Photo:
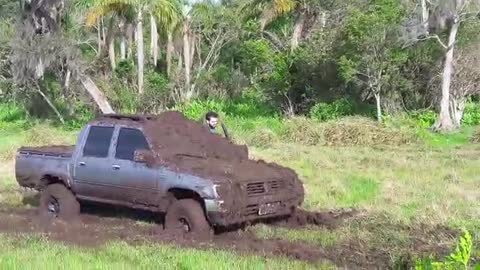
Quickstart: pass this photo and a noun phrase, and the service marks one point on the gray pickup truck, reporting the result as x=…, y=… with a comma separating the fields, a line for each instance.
x=105, y=166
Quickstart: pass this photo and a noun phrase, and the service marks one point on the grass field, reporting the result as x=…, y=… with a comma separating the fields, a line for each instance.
x=407, y=197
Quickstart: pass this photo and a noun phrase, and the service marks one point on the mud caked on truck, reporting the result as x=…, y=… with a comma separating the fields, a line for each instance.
x=162, y=163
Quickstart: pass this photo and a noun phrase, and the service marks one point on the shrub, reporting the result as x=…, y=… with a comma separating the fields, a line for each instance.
x=471, y=115
x=330, y=111
x=11, y=112
x=458, y=260
x=423, y=119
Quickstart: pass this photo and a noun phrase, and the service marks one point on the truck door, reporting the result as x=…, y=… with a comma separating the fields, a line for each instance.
x=137, y=181
x=93, y=165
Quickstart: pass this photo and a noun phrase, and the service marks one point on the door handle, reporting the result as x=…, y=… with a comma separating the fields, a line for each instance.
x=116, y=167
x=81, y=163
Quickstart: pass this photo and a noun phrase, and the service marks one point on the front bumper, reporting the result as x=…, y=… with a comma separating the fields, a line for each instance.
x=219, y=215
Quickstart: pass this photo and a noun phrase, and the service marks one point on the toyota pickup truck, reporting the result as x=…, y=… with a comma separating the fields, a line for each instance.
x=108, y=165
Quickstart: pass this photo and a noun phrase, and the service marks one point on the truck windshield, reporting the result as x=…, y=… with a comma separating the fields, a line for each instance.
x=130, y=140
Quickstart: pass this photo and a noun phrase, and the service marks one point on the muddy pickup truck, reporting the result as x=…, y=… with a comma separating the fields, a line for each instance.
x=108, y=165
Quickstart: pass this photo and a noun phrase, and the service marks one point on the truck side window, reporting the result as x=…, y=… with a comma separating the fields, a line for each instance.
x=98, y=142
x=129, y=140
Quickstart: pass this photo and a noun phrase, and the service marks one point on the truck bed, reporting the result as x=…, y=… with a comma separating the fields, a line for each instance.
x=52, y=150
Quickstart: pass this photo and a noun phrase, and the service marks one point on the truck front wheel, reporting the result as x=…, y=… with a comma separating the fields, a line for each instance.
x=57, y=201
x=187, y=215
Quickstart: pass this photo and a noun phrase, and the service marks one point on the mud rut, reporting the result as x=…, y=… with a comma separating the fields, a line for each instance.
x=97, y=226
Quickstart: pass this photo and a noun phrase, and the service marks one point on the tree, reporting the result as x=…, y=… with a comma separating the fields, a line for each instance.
x=371, y=53
x=41, y=47
x=465, y=80
x=167, y=13
x=216, y=26
x=446, y=15
x=166, y=10
x=119, y=14
x=268, y=10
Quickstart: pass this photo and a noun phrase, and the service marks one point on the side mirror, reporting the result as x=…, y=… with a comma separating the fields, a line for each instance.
x=143, y=156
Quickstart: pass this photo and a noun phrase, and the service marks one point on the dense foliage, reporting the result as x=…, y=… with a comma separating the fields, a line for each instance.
x=321, y=58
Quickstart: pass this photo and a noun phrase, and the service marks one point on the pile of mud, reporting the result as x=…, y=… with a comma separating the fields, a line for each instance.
x=188, y=146
x=173, y=135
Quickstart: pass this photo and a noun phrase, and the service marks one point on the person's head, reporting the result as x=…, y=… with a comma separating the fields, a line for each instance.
x=212, y=119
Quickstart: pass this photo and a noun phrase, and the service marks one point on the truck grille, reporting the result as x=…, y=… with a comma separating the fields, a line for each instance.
x=251, y=209
x=261, y=188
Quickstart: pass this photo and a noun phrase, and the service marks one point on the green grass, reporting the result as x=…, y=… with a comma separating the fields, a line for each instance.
x=34, y=252
x=401, y=191
x=457, y=138
x=411, y=183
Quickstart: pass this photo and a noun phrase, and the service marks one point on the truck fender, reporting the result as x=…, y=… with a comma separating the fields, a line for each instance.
x=52, y=177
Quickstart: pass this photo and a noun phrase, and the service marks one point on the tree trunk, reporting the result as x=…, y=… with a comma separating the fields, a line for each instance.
x=444, y=121
x=456, y=109
x=40, y=69
x=186, y=54
x=297, y=30
x=140, y=53
x=180, y=62
x=323, y=19
x=104, y=36
x=66, y=84
x=123, y=40
x=153, y=40
x=111, y=47
x=99, y=38
x=123, y=47
x=192, y=50
x=379, y=106
x=169, y=52
x=425, y=16
x=129, y=41
x=51, y=105
x=97, y=95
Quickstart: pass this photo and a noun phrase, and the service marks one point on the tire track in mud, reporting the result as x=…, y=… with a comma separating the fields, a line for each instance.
x=98, y=226
x=97, y=229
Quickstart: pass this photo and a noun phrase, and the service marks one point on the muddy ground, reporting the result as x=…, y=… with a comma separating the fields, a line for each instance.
x=98, y=225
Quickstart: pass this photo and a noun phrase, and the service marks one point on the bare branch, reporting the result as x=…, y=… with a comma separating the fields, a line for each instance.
x=427, y=38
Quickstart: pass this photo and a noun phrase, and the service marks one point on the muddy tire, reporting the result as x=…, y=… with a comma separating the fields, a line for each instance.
x=58, y=202
x=187, y=216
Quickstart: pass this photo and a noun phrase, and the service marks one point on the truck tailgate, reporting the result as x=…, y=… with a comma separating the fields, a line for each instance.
x=32, y=164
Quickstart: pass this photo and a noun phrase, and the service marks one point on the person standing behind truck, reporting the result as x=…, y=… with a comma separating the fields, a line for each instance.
x=211, y=119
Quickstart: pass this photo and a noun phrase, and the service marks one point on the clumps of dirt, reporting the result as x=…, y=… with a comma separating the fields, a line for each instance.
x=52, y=149
x=348, y=131
x=360, y=131
x=94, y=229
x=173, y=135
x=331, y=219
x=187, y=146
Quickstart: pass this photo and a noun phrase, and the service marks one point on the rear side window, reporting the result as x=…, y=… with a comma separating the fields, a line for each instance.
x=129, y=140
x=98, y=142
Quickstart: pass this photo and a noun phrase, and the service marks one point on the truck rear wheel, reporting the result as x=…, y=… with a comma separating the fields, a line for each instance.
x=57, y=201
x=187, y=215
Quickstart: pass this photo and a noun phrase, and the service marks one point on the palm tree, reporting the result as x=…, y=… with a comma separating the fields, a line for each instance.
x=165, y=12
x=119, y=12
x=270, y=10
x=163, y=9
